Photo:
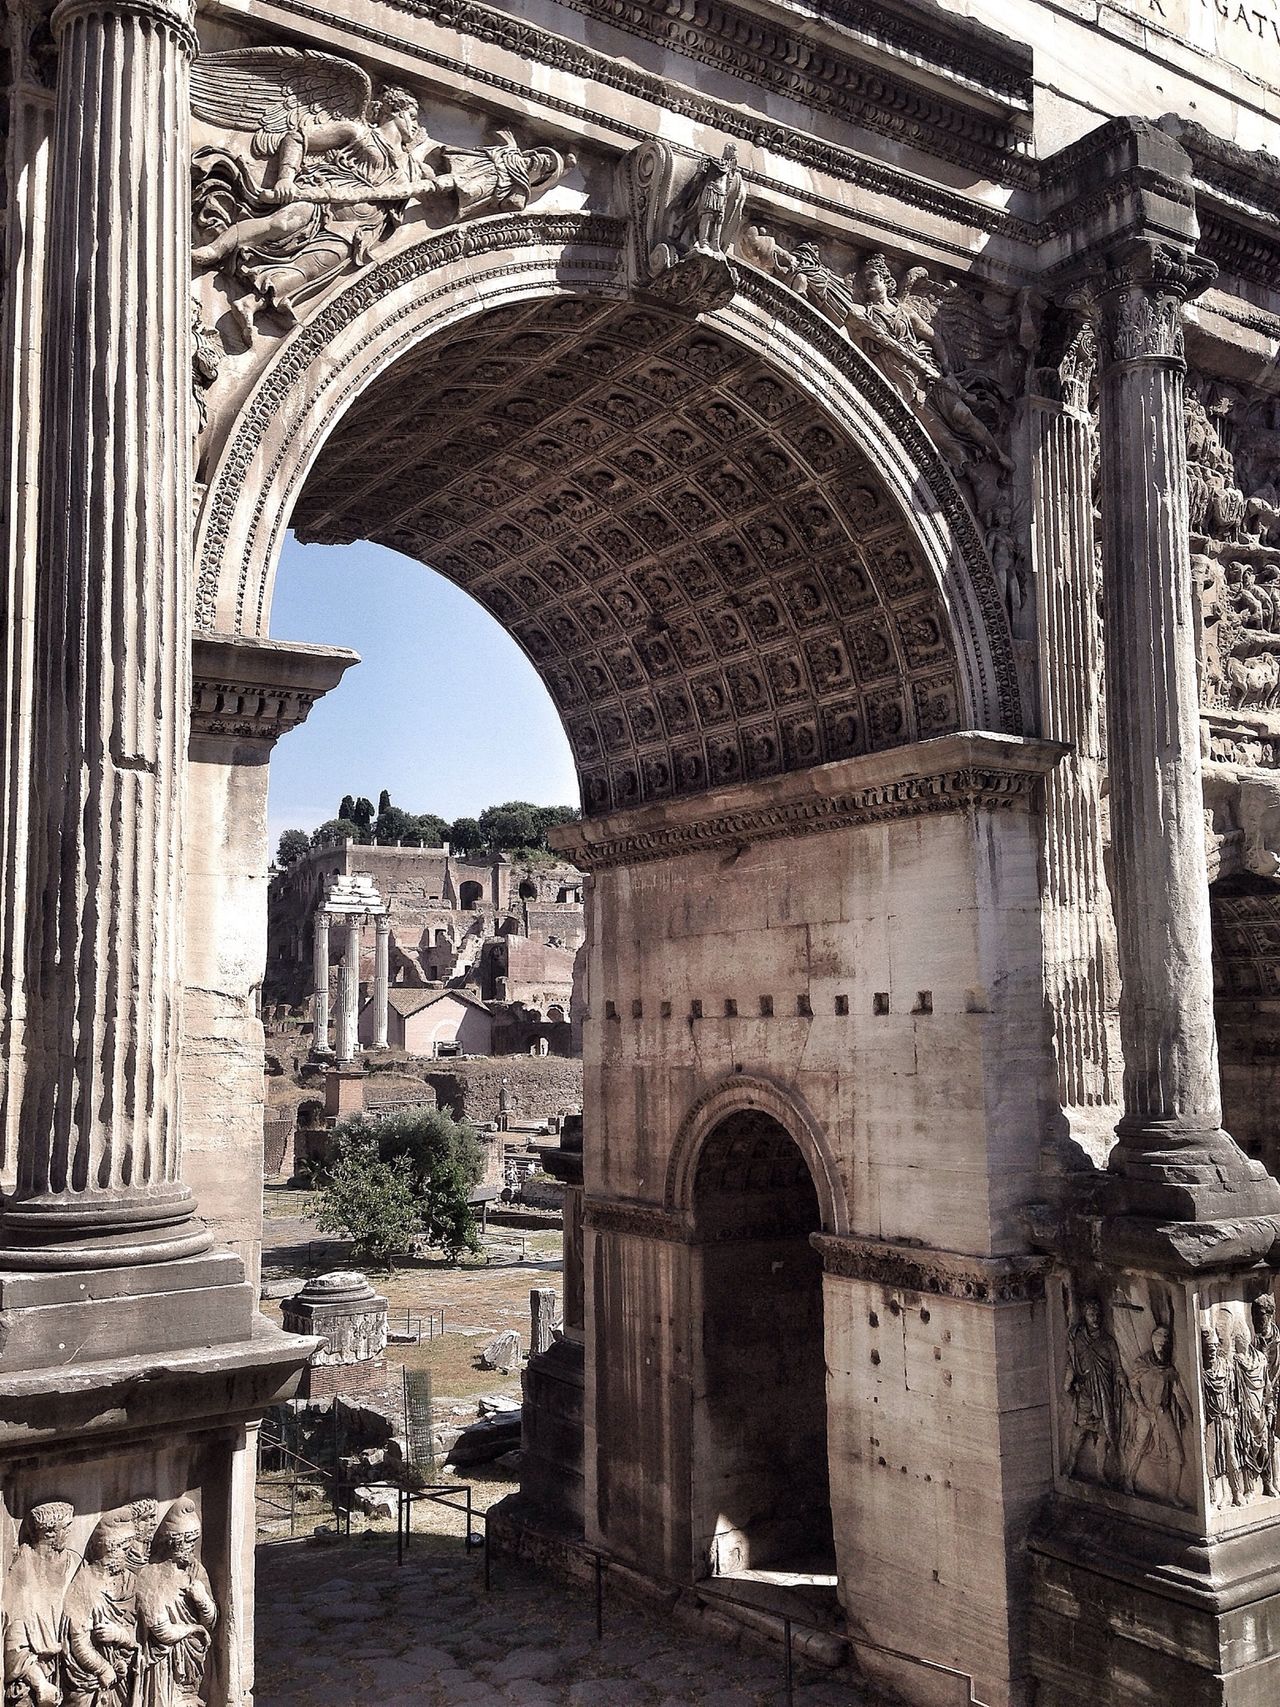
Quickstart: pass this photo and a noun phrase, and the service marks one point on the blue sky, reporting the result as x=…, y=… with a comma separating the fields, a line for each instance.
x=444, y=709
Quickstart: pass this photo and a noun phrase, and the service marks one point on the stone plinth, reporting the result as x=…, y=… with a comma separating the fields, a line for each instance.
x=343, y=1092
x=349, y=1319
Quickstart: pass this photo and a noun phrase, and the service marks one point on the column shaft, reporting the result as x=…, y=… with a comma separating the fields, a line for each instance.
x=349, y=993
x=381, y=981
x=99, y=1157
x=320, y=1004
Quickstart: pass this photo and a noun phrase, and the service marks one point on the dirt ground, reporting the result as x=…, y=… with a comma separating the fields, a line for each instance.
x=480, y=1296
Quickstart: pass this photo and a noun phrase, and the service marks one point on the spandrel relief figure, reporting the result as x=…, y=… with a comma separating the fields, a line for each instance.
x=341, y=165
x=1095, y=1382
x=34, y=1595
x=1160, y=1415
x=176, y=1614
x=1253, y=1434
x=1219, y=1388
x=705, y=213
x=101, y=1637
x=501, y=179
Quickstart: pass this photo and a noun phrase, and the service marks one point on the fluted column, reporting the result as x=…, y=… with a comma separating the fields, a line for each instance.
x=320, y=970
x=381, y=980
x=1175, y=1160
x=1078, y=971
x=349, y=992
x=98, y=1177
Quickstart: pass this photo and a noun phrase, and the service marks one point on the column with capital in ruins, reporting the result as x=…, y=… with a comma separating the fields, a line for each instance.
x=381, y=979
x=99, y=1167
x=349, y=992
x=1172, y=1161
x=320, y=1005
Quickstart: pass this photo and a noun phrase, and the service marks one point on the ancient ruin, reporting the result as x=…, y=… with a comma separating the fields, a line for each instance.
x=867, y=420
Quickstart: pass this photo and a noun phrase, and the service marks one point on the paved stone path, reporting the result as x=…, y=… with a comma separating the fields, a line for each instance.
x=342, y=1625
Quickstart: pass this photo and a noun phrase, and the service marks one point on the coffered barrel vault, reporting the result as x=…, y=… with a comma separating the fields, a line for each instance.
x=710, y=580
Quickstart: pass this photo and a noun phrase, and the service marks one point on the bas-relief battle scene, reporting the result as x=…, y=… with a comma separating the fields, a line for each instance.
x=801, y=1222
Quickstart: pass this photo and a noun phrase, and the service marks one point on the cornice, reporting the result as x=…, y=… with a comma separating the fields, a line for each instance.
x=730, y=119
x=943, y=1274
x=257, y=690
x=953, y=773
x=635, y=1220
x=790, y=62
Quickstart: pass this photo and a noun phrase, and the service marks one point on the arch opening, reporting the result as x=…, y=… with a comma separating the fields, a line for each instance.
x=762, y=1495
x=711, y=579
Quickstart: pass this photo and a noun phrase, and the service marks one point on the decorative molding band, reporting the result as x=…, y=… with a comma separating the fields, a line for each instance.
x=257, y=690
x=808, y=802
x=635, y=1220
x=497, y=29
x=792, y=64
x=944, y=1274
x=177, y=17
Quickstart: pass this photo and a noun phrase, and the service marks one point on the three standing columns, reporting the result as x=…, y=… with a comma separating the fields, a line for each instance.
x=1173, y=1159
x=98, y=1167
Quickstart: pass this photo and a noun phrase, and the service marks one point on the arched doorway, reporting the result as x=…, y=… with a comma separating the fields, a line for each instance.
x=762, y=1496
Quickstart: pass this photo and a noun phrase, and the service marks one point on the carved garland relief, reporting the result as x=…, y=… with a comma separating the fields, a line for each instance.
x=129, y=1624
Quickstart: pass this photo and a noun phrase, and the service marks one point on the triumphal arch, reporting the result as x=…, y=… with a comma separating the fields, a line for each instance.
x=866, y=417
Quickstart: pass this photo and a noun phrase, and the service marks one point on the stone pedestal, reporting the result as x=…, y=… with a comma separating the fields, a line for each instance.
x=343, y=1092
x=349, y=1319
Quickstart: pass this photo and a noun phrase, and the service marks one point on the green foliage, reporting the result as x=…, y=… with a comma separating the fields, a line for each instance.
x=464, y=835
x=362, y=814
x=292, y=845
x=444, y=1162
x=384, y=802
x=347, y=809
x=521, y=824
x=373, y=1202
x=333, y=832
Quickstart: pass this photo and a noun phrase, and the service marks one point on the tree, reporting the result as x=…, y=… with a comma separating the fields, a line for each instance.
x=362, y=814
x=291, y=846
x=374, y=1203
x=347, y=809
x=464, y=835
x=512, y=825
x=550, y=816
x=445, y=1163
x=393, y=825
x=384, y=802
x=333, y=832
x=428, y=830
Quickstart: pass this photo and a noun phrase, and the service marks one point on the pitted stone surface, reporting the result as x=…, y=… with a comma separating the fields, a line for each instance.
x=713, y=585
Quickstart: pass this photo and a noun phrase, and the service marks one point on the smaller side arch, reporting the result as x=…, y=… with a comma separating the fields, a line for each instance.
x=740, y=1093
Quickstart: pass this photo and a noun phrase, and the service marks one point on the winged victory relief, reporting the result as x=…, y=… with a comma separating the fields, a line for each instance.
x=332, y=167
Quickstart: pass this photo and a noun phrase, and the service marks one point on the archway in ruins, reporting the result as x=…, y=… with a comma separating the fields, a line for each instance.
x=761, y=1485
x=733, y=556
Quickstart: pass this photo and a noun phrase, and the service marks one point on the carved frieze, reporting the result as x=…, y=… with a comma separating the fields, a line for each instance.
x=1125, y=1420
x=129, y=1622
x=1240, y=1386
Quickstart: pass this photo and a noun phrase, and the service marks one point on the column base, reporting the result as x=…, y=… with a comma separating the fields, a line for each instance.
x=100, y=1229
x=49, y=1320
x=1128, y=1615
x=1166, y=1171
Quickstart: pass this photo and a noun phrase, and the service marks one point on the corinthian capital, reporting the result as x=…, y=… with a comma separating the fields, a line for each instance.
x=1141, y=296
x=178, y=17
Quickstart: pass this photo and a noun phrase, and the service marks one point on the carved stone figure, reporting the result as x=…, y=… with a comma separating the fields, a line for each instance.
x=681, y=233
x=1253, y=1432
x=1219, y=1421
x=1266, y=1339
x=706, y=209
x=176, y=1614
x=1215, y=502
x=501, y=179
x=1239, y=589
x=101, y=1638
x=34, y=1592
x=341, y=166
x=1095, y=1381
x=1161, y=1413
